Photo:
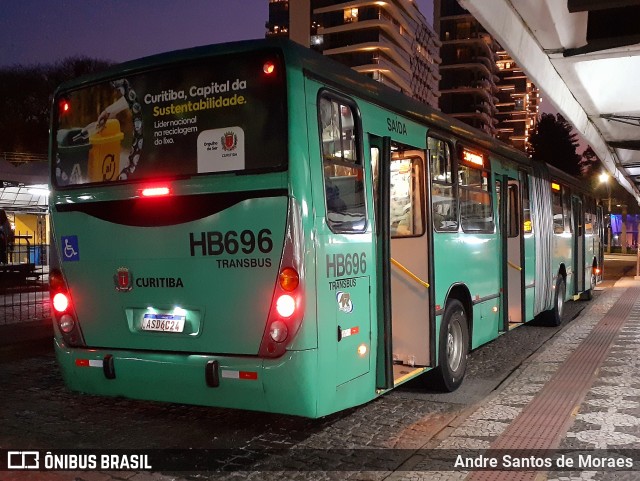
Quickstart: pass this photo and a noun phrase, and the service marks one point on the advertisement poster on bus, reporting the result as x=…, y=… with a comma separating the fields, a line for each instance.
x=208, y=116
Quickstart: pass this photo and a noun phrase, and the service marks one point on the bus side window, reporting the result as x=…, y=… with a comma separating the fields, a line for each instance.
x=527, y=225
x=443, y=201
x=566, y=209
x=558, y=218
x=476, y=212
x=342, y=166
x=407, y=194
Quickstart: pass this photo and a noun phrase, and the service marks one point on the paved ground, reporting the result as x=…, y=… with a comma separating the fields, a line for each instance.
x=395, y=437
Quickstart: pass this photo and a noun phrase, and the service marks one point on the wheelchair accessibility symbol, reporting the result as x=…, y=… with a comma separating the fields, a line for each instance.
x=70, y=249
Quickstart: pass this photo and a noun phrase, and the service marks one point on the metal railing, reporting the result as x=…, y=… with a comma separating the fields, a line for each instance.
x=24, y=281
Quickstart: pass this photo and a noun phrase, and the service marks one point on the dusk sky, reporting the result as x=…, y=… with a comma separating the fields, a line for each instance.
x=44, y=31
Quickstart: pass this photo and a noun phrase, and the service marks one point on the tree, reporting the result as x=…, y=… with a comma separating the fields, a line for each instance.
x=26, y=94
x=555, y=142
x=589, y=163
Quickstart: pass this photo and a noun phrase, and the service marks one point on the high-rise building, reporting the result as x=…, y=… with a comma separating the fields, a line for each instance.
x=518, y=103
x=389, y=41
x=481, y=85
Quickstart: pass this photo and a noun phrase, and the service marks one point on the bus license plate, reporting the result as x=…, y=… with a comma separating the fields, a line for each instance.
x=163, y=322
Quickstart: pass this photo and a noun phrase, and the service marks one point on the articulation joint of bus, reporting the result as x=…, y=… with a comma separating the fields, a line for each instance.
x=63, y=310
x=287, y=304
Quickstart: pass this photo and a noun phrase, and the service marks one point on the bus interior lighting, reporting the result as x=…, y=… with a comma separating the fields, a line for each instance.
x=555, y=186
x=472, y=158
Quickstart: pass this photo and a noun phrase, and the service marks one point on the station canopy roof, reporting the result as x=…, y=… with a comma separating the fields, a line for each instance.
x=585, y=57
x=23, y=188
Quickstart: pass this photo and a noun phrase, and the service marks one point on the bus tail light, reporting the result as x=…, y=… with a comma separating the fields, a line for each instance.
x=63, y=310
x=287, y=303
x=289, y=279
x=60, y=302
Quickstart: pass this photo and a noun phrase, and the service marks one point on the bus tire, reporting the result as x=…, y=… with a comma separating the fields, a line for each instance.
x=588, y=294
x=453, y=346
x=553, y=317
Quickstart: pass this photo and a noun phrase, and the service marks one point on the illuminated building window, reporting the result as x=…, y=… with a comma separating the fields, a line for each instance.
x=350, y=15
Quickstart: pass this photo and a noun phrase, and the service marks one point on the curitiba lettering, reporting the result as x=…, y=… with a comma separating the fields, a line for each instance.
x=339, y=265
x=159, y=282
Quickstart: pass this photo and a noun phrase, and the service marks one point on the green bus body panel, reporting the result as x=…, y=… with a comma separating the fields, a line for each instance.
x=474, y=261
x=282, y=386
x=226, y=306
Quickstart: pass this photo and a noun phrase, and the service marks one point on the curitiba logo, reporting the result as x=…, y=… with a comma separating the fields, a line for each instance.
x=229, y=141
x=123, y=280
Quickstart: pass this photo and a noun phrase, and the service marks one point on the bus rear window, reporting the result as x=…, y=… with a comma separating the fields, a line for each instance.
x=219, y=114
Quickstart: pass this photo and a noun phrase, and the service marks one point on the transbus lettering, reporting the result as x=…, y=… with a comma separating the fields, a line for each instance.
x=215, y=243
x=339, y=265
x=342, y=284
x=250, y=263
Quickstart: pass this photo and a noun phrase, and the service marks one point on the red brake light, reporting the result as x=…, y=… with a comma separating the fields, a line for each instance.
x=155, y=191
x=269, y=67
x=60, y=302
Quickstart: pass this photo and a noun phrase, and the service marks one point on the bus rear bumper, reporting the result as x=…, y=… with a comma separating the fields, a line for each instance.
x=284, y=385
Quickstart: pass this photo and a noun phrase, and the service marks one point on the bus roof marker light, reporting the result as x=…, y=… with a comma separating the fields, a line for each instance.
x=269, y=67
x=64, y=106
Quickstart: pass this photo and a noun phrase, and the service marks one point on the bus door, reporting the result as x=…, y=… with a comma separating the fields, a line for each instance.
x=579, y=247
x=510, y=229
x=409, y=250
x=344, y=245
x=409, y=254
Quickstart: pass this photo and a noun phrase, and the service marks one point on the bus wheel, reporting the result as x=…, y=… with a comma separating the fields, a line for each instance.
x=553, y=317
x=453, y=347
x=588, y=294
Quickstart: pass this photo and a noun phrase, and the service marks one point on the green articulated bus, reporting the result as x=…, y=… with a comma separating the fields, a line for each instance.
x=254, y=226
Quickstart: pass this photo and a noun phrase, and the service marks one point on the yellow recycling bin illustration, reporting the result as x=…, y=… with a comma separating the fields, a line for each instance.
x=104, y=156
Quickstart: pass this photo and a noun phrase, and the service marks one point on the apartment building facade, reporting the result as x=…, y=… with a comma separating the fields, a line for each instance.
x=390, y=41
x=480, y=83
